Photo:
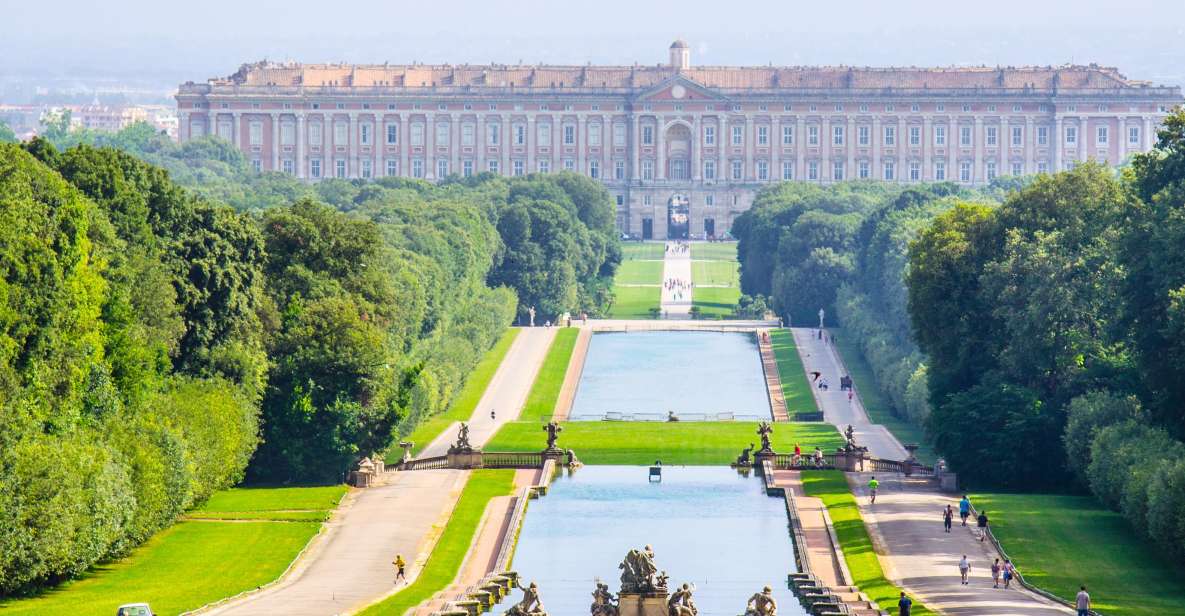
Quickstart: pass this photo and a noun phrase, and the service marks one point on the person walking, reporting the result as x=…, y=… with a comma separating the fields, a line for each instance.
x=400, y=564
x=1009, y=571
x=493, y=415
x=996, y=573
x=797, y=455
x=818, y=458
x=964, y=509
x=982, y=523
x=1082, y=601
x=904, y=605
x=948, y=516
x=873, y=484
x=964, y=569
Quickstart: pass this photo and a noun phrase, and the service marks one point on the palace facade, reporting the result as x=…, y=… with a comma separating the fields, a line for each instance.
x=682, y=149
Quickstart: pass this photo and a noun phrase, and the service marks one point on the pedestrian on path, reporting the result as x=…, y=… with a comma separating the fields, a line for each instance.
x=1009, y=571
x=996, y=567
x=948, y=516
x=964, y=569
x=818, y=458
x=1082, y=602
x=904, y=605
x=982, y=522
x=873, y=484
x=964, y=509
x=399, y=568
x=493, y=415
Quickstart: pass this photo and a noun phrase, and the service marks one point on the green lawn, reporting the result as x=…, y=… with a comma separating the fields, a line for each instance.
x=466, y=401
x=714, y=251
x=832, y=488
x=690, y=443
x=715, y=273
x=876, y=403
x=715, y=302
x=634, y=302
x=449, y=552
x=795, y=385
x=1061, y=542
x=541, y=401
x=639, y=272
x=643, y=250
x=198, y=562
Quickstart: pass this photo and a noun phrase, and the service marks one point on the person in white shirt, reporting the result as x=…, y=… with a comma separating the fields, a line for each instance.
x=964, y=569
x=1083, y=602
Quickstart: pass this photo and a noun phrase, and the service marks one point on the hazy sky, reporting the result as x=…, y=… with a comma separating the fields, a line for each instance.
x=176, y=41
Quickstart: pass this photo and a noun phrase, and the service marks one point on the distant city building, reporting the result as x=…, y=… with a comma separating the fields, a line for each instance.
x=104, y=118
x=682, y=148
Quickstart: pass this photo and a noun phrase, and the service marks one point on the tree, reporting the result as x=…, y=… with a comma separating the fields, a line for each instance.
x=6, y=134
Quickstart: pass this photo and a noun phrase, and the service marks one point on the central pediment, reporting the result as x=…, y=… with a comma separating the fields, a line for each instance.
x=680, y=88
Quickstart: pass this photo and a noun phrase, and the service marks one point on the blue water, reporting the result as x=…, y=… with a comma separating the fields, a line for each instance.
x=691, y=373
x=707, y=525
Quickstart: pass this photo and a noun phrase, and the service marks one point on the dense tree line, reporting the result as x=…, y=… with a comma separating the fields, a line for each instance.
x=156, y=345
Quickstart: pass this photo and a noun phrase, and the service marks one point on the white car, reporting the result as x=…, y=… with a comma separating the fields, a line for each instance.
x=134, y=609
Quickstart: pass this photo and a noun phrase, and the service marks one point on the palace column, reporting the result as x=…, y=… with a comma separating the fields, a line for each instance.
x=430, y=147
x=849, y=144
x=504, y=145
x=1059, y=127
x=799, y=148
x=723, y=139
x=236, y=118
x=402, y=145
x=301, y=172
x=581, y=144
x=775, y=147
x=827, y=138
x=482, y=143
x=876, y=141
x=532, y=144
x=928, y=156
x=636, y=173
x=660, y=146
x=275, y=142
x=353, y=169
x=978, y=143
x=1029, y=138
x=750, y=141
x=454, y=138
x=696, y=153
x=1146, y=135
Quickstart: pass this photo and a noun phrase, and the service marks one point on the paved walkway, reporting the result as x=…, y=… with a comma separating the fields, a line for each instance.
x=563, y=405
x=773, y=380
x=820, y=551
x=906, y=526
x=507, y=391
x=676, y=301
x=820, y=356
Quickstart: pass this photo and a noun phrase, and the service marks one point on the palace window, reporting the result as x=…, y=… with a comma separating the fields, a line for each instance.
x=543, y=165
x=889, y=109
x=520, y=134
x=519, y=167
x=417, y=168
x=569, y=164
x=787, y=170
x=863, y=108
x=941, y=108
x=467, y=134
x=1042, y=135
x=915, y=135
x=647, y=135
x=812, y=135
x=1042, y=167
x=862, y=135
x=442, y=169
x=1133, y=135
x=939, y=135
x=315, y=167
x=709, y=169
x=940, y=171
x=341, y=133
x=339, y=168
x=966, y=108
x=838, y=107
x=991, y=170
x=493, y=166
x=1101, y=135
x=417, y=133
x=1017, y=169
x=256, y=133
x=367, y=168
x=619, y=169
x=1071, y=135
x=890, y=170
x=392, y=134
x=1018, y=136
x=710, y=200
x=890, y=135
x=288, y=166
x=915, y=108
x=392, y=167
x=569, y=134
x=594, y=169
x=467, y=167
x=862, y=170
x=965, y=136
x=993, y=136
x=787, y=135
x=364, y=134
x=738, y=169
x=762, y=135
x=542, y=135
x=837, y=135
x=493, y=133
x=287, y=133
x=788, y=108
x=594, y=134
x=814, y=108
x=915, y=171
x=647, y=170
x=619, y=134
x=965, y=172
x=1016, y=109
x=812, y=170
x=442, y=133
x=763, y=170
x=991, y=109
x=837, y=170
x=738, y=135
x=709, y=135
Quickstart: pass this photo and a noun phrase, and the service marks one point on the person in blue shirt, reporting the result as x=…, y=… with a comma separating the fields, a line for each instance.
x=964, y=509
x=904, y=605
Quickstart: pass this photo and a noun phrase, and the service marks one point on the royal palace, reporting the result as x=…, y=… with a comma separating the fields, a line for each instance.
x=682, y=148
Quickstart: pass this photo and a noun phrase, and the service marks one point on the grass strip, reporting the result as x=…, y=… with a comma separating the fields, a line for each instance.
x=679, y=443
x=466, y=401
x=634, y=302
x=715, y=273
x=274, y=516
x=643, y=250
x=795, y=386
x=715, y=302
x=273, y=499
x=714, y=251
x=546, y=390
x=876, y=404
x=449, y=552
x=639, y=272
x=1060, y=542
x=832, y=488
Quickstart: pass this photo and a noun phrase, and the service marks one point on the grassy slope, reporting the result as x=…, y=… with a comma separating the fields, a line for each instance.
x=690, y=443
x=466, y=401
x=643, y=250
x=715, y=301
x=832, y=488
x=634, y=302
x=541, y=401
x=714, y=251
x=795, y=386
x=449, y=552
x=1060, y=542
x=198, y=562
x=715, y=264
x=876, y=403
x=715, y=272
x=639, y=272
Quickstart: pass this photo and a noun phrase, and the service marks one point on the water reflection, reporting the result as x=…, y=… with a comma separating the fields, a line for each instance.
x=684, y=372
x=708, y=526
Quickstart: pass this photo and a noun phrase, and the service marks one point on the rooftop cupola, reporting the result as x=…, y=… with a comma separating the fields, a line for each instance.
x=680, y=55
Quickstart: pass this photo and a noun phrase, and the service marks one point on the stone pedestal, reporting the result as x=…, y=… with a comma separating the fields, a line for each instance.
x=948, y=482
x=649, y=604
x=761, y=457
x=466, y=459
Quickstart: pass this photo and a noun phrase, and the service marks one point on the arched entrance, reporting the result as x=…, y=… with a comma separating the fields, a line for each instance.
x=678, y=152
x=678, y=217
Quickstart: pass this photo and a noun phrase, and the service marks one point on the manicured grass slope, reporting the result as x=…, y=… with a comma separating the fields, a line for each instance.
x=795, y=385
x=643, y=250
x=198, y=562
x=634, y=302
x=639, y=272
x=832, y=489
x=690, y=443
x=466, y=401
x=875, y=402
x=715, y=273
x=715, y=302
x=449, y=552
x=1061, y=542
x=541, y=401
x=714, y=251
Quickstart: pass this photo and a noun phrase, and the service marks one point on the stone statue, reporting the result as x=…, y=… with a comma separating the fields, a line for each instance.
x=850, y=435
x=745, y=458
x=604, y=604
x=531, y=313
x=681, y=604
x=821, y=313
x=553, y=432
x=762, y=603
x=639, y=573
x=530, y=605
x=462, y=443
x=764, y=430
